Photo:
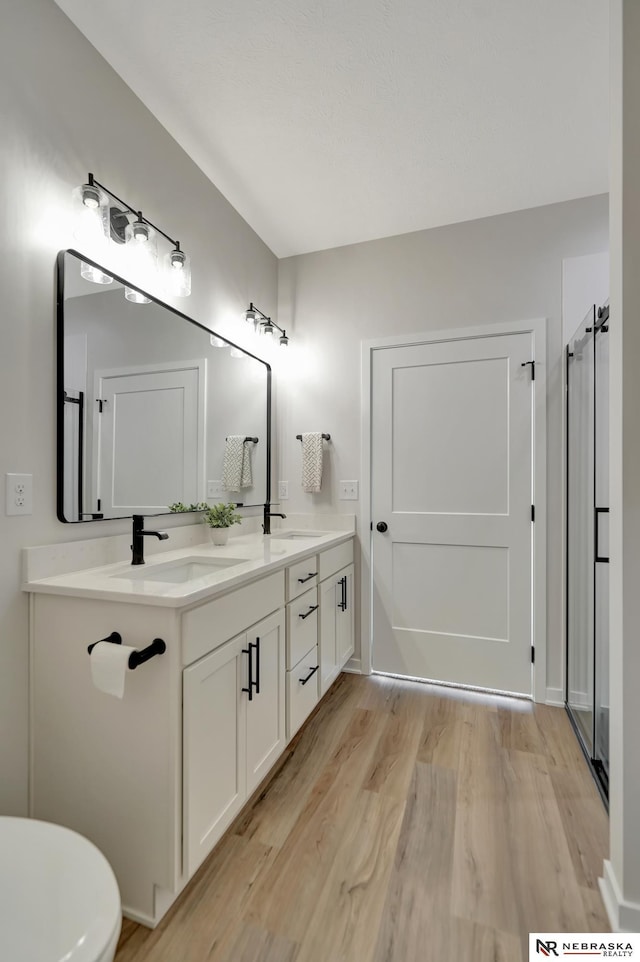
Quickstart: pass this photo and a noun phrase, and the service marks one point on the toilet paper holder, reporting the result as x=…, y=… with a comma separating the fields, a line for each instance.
x=157, y=647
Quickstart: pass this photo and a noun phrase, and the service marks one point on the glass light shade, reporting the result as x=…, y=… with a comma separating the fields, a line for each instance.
x=91, y=227
x=177, y=273
x=236, y=352
x=268, y=328
x=217, y=341
x=250, y=316
x=135, y=296
x=141, y=257
x=284, y=340
x=94, y=274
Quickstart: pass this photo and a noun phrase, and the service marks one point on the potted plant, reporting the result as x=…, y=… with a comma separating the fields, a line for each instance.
x=219, y=519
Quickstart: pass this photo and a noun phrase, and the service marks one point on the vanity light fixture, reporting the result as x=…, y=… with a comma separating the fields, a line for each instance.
x=264, y=325
x=120, y=223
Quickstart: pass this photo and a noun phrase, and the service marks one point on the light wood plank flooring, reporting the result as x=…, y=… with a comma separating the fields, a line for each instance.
x=408, y=823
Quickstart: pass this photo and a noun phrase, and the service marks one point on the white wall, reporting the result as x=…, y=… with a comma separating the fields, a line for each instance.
x=498, y=269
x=64, y=112
x=585, y=282
x=621, y=884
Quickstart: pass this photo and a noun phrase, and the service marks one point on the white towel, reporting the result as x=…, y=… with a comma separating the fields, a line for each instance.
x=236, y=470
x=312, y=462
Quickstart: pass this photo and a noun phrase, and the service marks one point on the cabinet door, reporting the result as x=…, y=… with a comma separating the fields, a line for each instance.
x=214, y=738
x=345, y=616
x=265, y=711
x=328, y=655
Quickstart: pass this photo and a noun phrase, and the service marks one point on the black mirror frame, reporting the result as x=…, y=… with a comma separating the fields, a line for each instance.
x=60, y=268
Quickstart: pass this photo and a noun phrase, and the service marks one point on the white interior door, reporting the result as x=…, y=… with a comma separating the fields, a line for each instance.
x=151, y=438
x=452, y=480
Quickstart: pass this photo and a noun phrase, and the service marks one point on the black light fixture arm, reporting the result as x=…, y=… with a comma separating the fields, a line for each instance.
x=265, y=318
x=132, y=210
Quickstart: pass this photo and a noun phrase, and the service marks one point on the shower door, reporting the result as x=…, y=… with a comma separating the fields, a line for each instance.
x=587, y=589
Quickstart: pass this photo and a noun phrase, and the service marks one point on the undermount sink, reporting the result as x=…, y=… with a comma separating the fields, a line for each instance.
x=296, y=535
x=179, y=572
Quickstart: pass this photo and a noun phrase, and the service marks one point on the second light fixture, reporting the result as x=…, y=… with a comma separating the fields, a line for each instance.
x=262, y=323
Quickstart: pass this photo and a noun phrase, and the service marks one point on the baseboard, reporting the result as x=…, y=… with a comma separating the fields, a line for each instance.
x=354, y=666
x=555, y=696
x=623, y=916
x=580, y=699
x=147, y=920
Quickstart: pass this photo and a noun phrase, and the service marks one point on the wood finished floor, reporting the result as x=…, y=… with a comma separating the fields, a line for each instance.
x=409, y=823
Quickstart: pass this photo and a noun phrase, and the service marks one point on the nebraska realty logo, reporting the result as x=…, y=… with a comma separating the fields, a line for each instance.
x=582, y=945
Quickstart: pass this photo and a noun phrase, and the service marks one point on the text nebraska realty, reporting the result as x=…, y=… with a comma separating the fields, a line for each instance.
x=607, y=950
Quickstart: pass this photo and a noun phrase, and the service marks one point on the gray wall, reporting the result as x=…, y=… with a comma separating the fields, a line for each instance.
x=64, y=112
x=497, y=269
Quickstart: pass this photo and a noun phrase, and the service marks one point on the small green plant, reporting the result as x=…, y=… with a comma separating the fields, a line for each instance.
x=222, y=516
x=179, y=507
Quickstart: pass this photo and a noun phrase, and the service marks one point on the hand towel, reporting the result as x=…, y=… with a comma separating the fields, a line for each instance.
x=246, y=481
x=312, y=462
x=236, y=470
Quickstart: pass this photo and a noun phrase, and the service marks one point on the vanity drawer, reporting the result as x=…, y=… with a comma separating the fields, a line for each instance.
x=302, y=691
x=302, y=626
x=301, y=577
x=210, y=625
x=336, y=558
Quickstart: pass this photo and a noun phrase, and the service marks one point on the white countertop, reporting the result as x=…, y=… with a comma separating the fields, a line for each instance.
x=259, y=554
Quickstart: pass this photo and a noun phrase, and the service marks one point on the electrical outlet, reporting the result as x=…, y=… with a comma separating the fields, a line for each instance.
x=18, y=494
x=348, y=490
x=283, y=490
x=215, y=489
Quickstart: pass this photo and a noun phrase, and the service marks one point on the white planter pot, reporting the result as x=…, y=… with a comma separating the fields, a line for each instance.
x=219, y=536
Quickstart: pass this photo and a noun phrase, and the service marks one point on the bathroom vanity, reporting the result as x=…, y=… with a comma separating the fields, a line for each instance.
x=255, y=634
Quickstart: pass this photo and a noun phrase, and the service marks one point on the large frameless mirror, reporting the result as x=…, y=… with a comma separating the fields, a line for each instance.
x=153, y=409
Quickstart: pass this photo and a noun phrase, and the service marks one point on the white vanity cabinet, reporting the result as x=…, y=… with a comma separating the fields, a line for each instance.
x=155, y=778
x=233, y=731
x=320, y=628
x=336, y=612
x=302, y=655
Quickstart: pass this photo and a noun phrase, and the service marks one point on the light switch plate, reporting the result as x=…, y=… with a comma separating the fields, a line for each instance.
x=348, y=490
x=283, y=490
x=19, y=494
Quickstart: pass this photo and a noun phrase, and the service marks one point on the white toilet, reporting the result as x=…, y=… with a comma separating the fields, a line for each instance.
x=59, y=899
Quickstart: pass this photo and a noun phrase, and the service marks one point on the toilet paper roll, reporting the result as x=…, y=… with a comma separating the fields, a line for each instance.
x=109, y=666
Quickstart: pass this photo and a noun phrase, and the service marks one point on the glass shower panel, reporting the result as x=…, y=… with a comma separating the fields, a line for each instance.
x=601, y=639
x=580, y=529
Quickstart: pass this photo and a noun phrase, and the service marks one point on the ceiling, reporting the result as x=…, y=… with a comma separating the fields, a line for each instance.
x=327, y=122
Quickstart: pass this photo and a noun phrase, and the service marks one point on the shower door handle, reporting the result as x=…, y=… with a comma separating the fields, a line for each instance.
x=598, y=512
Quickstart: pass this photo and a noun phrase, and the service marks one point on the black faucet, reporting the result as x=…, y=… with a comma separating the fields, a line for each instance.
x=139, y=533
x=268, y=515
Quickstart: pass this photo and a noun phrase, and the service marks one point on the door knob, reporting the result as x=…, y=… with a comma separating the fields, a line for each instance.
x=382, y=526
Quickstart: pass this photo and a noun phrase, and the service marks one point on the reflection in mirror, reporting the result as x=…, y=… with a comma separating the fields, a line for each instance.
x=152, y=409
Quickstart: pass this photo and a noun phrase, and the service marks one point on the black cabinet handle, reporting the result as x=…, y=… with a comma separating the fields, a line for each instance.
x=309, y=612
x=382, y=526
x=303, y=681
x=312, y=574
x=257, y=681
x=249, y=690
x=342, y=604
x=599, y=511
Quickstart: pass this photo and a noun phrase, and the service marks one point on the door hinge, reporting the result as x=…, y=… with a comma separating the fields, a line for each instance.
x=99, y=504
x=533, y=368
x=371, y=526
x=533, y=512
x=533, y=655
